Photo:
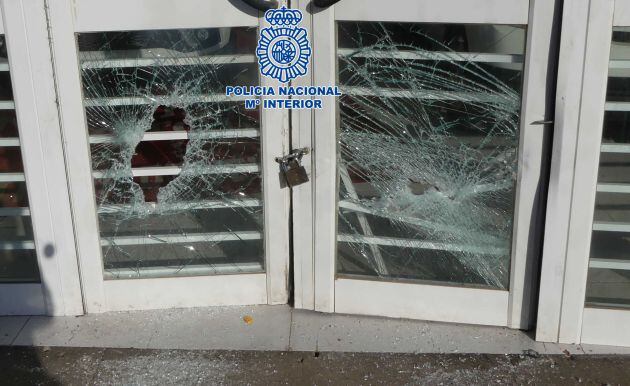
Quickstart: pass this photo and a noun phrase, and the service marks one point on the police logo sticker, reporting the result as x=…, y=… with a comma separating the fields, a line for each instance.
x=283, y=53
x=283, y=49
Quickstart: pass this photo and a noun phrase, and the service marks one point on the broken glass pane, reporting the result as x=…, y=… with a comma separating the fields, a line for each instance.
x=428, y=146
x=18, y=259
x=176, y=164
x=608, y=282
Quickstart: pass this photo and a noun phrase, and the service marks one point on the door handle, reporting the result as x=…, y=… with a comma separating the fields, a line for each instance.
x=262, y=5
x=324, y=3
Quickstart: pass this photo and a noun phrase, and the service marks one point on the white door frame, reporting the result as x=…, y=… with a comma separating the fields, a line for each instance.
x=70, y=17
x=511, y=308
x=583, y=75
x=59, y=293
x=302, y=208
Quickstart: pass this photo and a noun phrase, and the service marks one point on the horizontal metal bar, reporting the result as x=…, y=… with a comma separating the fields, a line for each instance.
x=420, y=244
x=181, y=239
x=8, y=245
x=615, y=148
x=620, y=307
x=617, y=106
x=187, y=270
x=155, y=57
x=182, y=134
x=437, y=95
x=433, y=55
x=617, y=63
x=609, y=264
x=618, y=72
x=11, y=177
x=618, y=68
x=13, y=212
x=175, y=170
x=611, y=226
x=4, y=65
x=203, y=204
x=7, y=105
x=129, y=101
x=613, y=188
x=9, y=142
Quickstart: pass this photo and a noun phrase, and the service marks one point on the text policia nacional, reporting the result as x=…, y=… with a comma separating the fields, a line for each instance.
x=313, y=92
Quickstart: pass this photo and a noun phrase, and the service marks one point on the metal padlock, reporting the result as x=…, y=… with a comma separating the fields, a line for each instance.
x=292, y=173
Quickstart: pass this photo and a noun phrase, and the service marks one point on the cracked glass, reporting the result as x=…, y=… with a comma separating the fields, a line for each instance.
x=18, y=259
x=176, y=164
x=608, y=283
x=428, y=142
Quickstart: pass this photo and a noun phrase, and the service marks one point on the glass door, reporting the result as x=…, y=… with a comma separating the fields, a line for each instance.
x=20, y=281
x=176, y=195
x=38, y=263
x=594, y=306
x=428, y=167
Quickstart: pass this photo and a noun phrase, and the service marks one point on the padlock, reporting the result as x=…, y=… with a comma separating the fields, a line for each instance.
x=292, y=173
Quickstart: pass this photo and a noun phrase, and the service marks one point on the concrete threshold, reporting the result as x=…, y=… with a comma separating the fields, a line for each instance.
x=274, y=328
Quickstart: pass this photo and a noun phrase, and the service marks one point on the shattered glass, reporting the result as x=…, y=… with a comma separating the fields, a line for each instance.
x=176, y=164
x=428, y=146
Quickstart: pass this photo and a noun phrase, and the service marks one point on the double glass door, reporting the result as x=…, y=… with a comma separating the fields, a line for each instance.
x=425, y=175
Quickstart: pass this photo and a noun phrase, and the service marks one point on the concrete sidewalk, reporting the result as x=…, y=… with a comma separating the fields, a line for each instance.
x=281, y=345
x=91, y=366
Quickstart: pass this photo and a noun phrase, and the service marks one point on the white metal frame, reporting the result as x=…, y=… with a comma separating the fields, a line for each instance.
x=457, y=304
x=302, y=209
x=70, y=17
x=568, y=99
x=25, y=28
x=581, y=102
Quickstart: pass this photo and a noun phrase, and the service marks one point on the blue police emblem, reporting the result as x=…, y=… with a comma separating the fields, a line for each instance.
x=283, y=49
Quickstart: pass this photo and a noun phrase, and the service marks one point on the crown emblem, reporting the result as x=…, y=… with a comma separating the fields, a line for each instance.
x=283, y=50
x=283, y=17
